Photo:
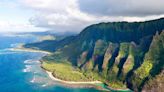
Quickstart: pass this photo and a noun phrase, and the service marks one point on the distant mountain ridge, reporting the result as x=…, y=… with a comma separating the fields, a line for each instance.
x=117, y=51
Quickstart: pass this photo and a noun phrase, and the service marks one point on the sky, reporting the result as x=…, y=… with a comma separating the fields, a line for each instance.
x=73, y=15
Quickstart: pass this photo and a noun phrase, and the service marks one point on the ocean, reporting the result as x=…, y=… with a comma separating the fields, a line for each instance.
x=21, y=72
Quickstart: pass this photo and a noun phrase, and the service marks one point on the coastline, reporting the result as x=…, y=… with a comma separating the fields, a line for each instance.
x=29, y=50
x=71, y=82
x=90, y=84
x=93, y=83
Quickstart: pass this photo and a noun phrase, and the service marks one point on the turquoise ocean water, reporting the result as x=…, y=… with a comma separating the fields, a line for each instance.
x=20, y=71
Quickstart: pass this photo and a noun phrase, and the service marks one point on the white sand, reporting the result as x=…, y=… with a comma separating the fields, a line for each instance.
x=29, y=50
x=70, y=82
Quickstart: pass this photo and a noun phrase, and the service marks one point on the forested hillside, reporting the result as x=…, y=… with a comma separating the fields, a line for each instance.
x=119, y=53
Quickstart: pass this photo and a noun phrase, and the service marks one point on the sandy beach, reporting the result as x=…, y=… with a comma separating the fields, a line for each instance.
x=82, y=83
x=70, y=82
x=29, y=50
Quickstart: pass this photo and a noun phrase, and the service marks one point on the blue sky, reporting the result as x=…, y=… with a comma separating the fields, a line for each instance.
x=73, y=15
x=15, y=18
x=13, y=13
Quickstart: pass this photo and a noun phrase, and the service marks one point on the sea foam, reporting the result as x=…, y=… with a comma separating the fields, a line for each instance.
x=30, y=61
x=44, y=85
x=33, y=80
x=28, y=68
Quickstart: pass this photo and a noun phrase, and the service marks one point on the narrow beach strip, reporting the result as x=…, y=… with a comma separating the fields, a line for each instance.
x=29, y=50
x=71, y=82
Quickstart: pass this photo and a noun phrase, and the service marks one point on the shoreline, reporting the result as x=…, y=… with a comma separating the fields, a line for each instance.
x=29, y=50
x=93, y=83
x=71, y=82
x=90, y=84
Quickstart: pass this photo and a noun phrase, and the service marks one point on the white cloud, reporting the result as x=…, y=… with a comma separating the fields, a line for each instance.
x=74, y=15
x=132, y=8
x=60, y=15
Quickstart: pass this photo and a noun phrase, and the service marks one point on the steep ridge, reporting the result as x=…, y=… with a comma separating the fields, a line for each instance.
x=153, y=62
x=121, y=53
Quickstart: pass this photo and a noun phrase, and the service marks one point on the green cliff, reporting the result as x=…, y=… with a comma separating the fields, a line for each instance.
x=120, y=54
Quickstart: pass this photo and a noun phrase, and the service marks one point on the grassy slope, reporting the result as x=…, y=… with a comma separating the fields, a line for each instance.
x=65, y=71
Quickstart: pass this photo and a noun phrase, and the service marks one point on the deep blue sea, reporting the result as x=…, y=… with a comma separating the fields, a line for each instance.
x=20, y=71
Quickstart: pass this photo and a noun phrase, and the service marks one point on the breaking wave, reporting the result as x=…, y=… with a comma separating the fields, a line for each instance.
x=31, y=61
x=28, y=68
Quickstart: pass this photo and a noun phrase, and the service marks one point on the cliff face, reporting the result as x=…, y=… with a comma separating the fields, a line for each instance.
x=152, y=65
x=127, y=53
x=155, y=84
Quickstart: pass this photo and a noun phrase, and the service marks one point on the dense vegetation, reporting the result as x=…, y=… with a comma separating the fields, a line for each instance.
x=117, y=53
x=64, y=71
